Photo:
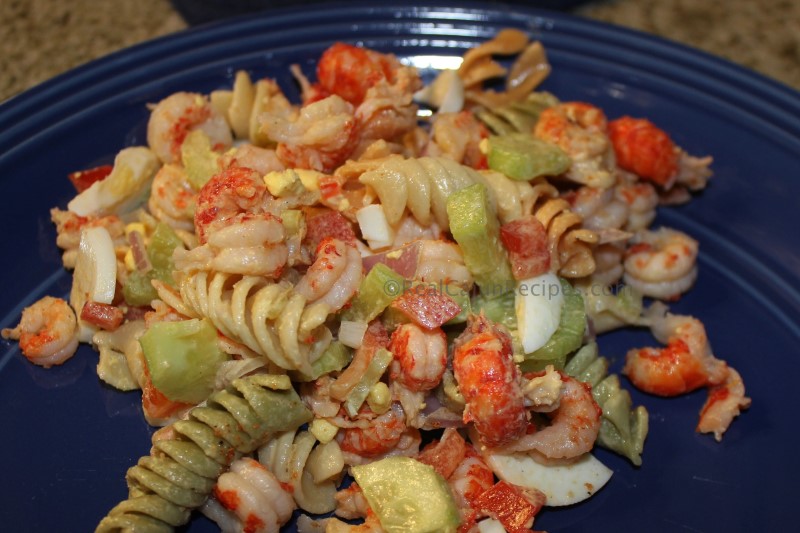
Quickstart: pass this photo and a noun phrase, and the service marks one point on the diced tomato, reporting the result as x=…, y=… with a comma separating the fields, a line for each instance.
x=528, y=247
x=155, y=404
x=83, y=179
x=322, y=223
x=514, y=507
x=403, y=260
x=428, y=306
x=444, y=455
x=104, y=316
x=644, y=149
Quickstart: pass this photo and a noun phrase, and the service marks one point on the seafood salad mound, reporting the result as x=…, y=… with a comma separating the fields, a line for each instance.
x=382, y=305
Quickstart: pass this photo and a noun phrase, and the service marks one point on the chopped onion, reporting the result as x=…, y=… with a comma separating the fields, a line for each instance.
x=352, y=333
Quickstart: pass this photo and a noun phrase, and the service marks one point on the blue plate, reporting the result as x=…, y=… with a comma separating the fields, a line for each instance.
x=68, y=439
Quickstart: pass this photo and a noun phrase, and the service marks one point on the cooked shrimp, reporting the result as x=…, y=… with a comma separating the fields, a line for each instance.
x=47, y=332
x=489, y=380
x=255, y=496
x=387, y=112
x=693, y=172
x=226, y=196
x=178, y=114
x=580, y=130
x=599, y=208
x=349, y=71
x=661, y=263
x=724, y=403
x=410, y=230
x=420, y=357
x=458, y=136
x=334, y=276
x=262, y=160
x=642, y=200
x=172, y=198
x=471, y=478
x=573, y=428
x=351, y=502
x=319, y=136
x=686, y=362
x=379, y=438
x=644, y=149
x=69, y=227
x=441, y=261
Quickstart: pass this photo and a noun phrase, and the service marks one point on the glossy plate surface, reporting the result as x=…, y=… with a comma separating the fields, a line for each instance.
x=67, y=439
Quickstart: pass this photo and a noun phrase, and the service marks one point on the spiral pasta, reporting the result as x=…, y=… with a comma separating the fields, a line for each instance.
x=311, y=469
x=182, y=469
x=423, y=184
x=622, y=429
x=516, y=117
x=569, y=242
x=267, y=317
x=243, y=106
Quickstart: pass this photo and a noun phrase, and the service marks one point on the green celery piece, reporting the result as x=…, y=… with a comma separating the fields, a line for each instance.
x=523, y=157
x=335, y=357
x=461, y=297
x=567, y=338
x=137, y=289
x=498, y=309
x=182, y=358
x=375, y=369
x=408, y=496
x=199, y=160
x=474, y=225
x=378, y=289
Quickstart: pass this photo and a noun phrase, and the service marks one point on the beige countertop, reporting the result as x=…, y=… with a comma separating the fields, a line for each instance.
x=42, y=38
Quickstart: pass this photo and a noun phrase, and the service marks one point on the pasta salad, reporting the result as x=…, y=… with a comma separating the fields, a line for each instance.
x=378, y=308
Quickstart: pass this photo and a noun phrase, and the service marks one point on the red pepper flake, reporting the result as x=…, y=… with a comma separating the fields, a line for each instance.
x=252, y=524
x=228, y=498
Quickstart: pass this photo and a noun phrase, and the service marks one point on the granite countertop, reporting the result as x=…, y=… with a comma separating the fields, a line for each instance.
x=42, y=38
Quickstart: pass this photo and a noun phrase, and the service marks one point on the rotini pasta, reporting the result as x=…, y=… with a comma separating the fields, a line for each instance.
x=181, y=471
x=312, y=469
x=516, y=117
x=622, y=429
x=244, y=106
x=422, y=185
x=267, y=317
x=570, y=244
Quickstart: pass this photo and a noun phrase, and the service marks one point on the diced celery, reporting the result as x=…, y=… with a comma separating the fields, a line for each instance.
x=499, y=309
x=335, y=357
x=474, y=225
x=199, y=160
x=137, y=289
x=378, y=289
x=408, y=496
x=375, y=369
x=567, y=338
x=521, y=156
x=182, y=358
